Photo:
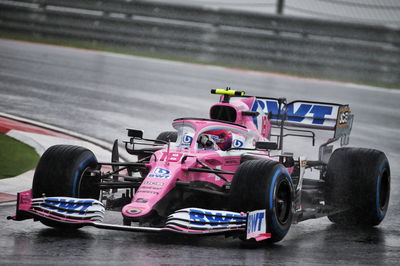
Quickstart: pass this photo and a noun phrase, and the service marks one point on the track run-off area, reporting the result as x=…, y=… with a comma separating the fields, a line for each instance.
x=101, y=94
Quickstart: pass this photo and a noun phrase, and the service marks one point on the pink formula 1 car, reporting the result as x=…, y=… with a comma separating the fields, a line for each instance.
x=223, y=175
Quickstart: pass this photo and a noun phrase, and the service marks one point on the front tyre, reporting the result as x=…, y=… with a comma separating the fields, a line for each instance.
x=264, y=184
x=358, y=185
x=63, y=171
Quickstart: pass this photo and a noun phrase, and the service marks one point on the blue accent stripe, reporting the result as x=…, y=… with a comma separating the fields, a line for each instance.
x=271, y=190
x=379, y=212
x=378, y=207
x=271, y=194
x=254, y=108
x=77, y=174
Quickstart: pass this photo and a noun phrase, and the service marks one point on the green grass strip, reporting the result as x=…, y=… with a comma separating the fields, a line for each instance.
x=15, y=157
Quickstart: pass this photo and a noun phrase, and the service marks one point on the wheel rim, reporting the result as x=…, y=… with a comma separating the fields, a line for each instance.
x=384, y=189
x=87, y=186
x=283, y=201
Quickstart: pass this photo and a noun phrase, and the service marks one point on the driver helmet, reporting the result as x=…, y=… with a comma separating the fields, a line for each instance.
x=218, y=139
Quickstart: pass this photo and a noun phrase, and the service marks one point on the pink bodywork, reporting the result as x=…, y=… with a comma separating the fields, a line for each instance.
x=25, y=210
x=25, y=200
x=167, y=166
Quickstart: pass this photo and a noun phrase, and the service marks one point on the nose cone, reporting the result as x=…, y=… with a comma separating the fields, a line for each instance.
x=160, y=180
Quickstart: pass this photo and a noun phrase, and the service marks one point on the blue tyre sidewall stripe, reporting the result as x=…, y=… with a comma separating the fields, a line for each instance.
x=379, y=212
x=78, y=173
x=271, y=197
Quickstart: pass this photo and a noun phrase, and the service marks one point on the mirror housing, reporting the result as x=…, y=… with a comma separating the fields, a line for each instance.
x=266, y=145
x=134, y=133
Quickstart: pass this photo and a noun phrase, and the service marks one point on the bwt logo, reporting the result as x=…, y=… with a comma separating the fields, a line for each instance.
x=160, y=173
x=199, y=217
x=70, y=206
x=254, y=222
x=317, y=112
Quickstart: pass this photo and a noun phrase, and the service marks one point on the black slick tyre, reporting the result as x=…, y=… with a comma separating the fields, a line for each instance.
x=264, y=184
x=168, y=136
x=358, y=186
x=62, y=171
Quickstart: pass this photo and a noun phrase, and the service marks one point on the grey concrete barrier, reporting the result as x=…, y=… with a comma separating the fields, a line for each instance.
x=351, y=51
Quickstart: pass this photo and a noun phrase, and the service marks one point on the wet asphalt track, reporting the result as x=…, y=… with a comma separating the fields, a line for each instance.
x=101, y=94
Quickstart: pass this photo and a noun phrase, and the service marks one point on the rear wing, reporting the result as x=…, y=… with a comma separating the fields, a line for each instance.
x=305, y=114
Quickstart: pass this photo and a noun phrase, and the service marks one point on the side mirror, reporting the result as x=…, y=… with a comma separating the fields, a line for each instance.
x=134, y=133
x=250, y=113
x=266, y=145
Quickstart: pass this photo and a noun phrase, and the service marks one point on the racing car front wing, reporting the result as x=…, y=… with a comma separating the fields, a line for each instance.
x=74, y=212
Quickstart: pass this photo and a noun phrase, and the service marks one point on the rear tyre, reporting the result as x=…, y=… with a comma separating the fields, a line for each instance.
x=264, y=184
x=358, y=186
x=63, y=171
x=168, y=136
